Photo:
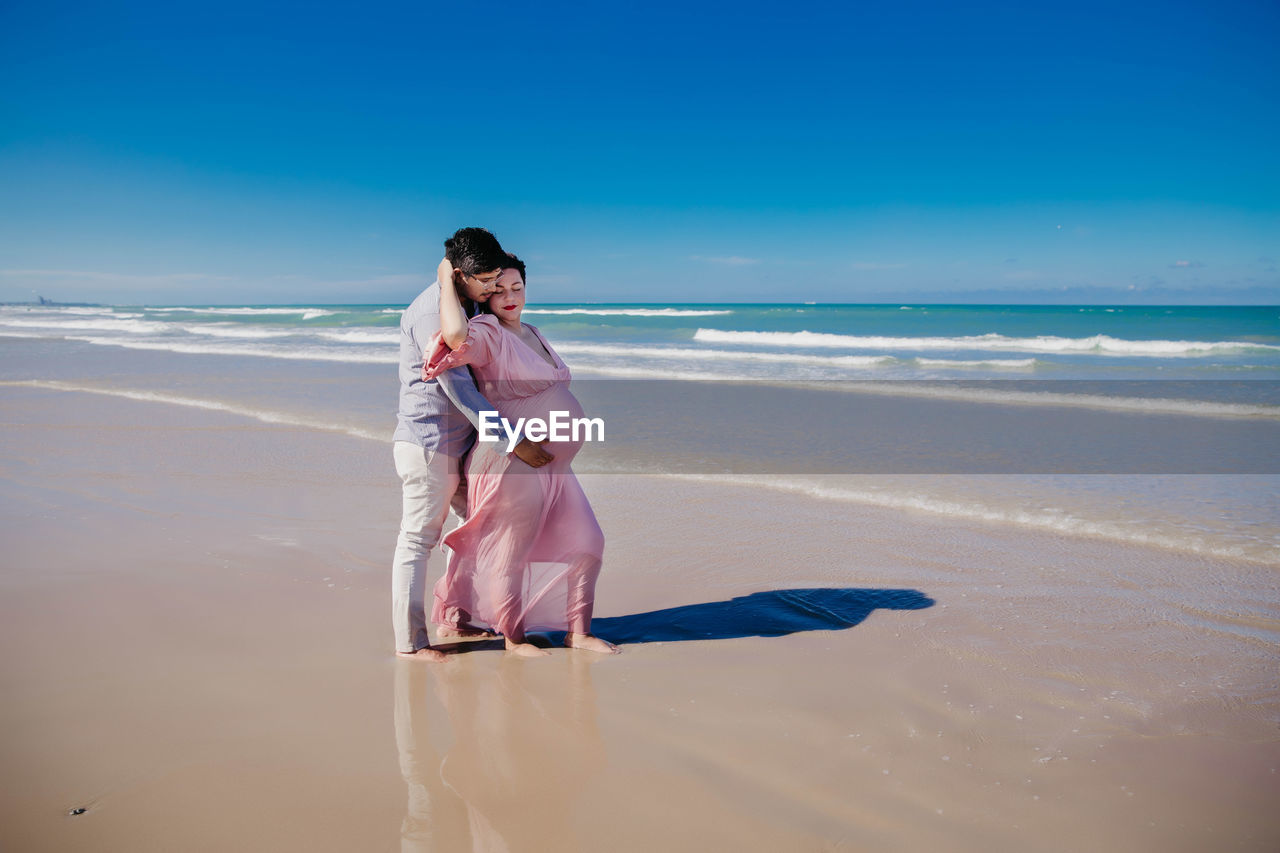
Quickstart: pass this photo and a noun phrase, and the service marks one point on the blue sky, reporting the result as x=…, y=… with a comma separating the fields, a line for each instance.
x=313, y=152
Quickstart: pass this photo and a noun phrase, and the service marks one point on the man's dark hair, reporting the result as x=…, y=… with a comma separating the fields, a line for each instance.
x=474, y=251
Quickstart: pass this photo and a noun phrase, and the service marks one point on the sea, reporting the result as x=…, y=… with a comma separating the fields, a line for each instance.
x=1149, y=425
x=840, y=342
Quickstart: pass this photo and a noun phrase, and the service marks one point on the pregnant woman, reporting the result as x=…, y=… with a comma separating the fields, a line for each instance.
x=528, y=555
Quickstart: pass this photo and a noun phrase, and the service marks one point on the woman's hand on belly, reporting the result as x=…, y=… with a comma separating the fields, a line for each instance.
x=533, y=453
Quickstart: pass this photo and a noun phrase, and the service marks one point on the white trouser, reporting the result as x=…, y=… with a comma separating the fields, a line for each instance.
x=430, y=481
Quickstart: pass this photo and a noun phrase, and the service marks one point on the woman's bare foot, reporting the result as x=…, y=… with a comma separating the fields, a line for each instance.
x=526, y=650
x=462, y=632
x=427, y=654
x=591, y=643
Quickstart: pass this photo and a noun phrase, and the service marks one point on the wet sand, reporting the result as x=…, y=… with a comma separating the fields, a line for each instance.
x=195, y=614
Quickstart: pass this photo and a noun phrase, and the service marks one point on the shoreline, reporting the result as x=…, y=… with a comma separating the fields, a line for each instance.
x=200, y=601
x=947, y=459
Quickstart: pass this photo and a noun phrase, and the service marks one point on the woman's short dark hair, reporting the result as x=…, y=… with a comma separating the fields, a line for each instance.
x=514, y=263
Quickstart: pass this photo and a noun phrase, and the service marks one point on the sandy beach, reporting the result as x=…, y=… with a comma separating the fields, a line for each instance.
x=195, y=613
x=920, y=364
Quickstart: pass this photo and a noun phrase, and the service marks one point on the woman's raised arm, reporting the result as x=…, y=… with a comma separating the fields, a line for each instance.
x=453, y=319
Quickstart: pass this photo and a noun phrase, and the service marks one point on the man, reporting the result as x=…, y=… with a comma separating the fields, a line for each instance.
x=435, y=427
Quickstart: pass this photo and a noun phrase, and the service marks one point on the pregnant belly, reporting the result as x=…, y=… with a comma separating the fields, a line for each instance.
x=554, y=407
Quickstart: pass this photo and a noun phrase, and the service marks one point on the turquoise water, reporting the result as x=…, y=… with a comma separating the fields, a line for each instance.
x=787, y=342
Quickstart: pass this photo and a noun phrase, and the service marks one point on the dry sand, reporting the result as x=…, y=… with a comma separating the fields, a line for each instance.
x=195, y=622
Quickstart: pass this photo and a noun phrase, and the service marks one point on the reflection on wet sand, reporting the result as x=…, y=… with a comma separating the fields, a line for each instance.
x=495, y=752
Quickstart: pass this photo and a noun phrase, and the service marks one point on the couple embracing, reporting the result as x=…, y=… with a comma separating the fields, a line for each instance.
x=528, y=552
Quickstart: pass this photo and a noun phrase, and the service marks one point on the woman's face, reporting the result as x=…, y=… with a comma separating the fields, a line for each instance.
x=507, y=301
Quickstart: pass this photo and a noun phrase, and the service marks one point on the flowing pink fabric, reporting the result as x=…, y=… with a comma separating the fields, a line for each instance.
x=529, y=553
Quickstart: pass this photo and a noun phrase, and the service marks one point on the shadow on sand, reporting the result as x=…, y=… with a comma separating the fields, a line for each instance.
x=761, y=614
x=773, y=613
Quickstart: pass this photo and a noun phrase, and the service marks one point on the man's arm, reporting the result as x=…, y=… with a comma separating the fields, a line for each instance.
x=460, y=388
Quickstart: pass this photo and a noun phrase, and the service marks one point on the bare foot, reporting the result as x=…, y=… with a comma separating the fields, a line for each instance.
x=464, y=632
x=526, y=650
x=427, y=654
x=591, y=643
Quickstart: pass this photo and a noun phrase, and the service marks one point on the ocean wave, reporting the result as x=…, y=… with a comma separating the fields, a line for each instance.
x=353, y=356
x=81, y=324
x=307, y=313
x=1000, y=363
x=686, y=364
x=1095, y=345
x=357, y=336
x=957, y=393
x=65, y=310
x=1137, y=405
x=221, y=330
x=633, y=312
x=77, y=309
x=1048, y=521
x=695, y=355
x=624, y=372
x=264, y=415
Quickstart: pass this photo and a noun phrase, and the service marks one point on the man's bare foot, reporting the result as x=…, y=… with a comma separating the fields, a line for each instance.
x=427, y=654
x=591, y=643
x=462, y=632
x=526, y=650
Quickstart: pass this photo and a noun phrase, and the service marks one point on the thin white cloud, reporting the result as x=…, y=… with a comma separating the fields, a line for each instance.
x=1185, y=265
x=407, y=279
x=731, y=260
x=114, y=277
x=876, y=265
x=553, y=278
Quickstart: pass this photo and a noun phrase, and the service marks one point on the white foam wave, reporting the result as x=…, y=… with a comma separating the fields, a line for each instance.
x=264, y=415
x=355, y=356
x=1095, y=345
x=1048, y=521
x=221, y=330
x=999, y=363
x=696, y=355
x=65, y=310
x=79, y=309
x=632, y=312
x=81, y=324
x=307, y=313
x=391, y=311
x=623, y=372
x=360, y=336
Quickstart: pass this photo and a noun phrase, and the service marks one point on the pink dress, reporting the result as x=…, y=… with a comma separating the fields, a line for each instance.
x=529, y=553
